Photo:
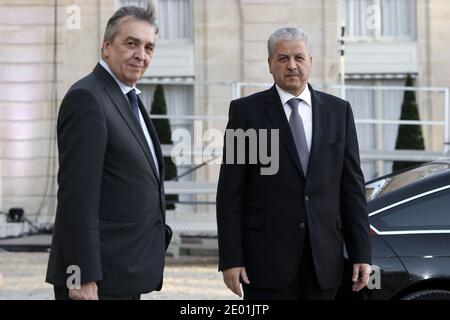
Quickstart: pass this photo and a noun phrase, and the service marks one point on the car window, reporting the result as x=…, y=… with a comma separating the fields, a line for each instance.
x=431, y=212
x=379, y=187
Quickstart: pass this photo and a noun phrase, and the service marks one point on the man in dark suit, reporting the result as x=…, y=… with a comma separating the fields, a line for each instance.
x=282, y=235
x=110, y=221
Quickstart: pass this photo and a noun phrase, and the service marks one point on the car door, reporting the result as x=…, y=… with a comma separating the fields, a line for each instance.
x=418, y=231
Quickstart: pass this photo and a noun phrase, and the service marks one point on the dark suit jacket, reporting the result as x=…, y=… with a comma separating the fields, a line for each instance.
x=262, y=219
x=110, y=218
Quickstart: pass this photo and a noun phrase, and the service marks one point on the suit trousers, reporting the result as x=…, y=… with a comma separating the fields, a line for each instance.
x=63, y=294
x=305, y=285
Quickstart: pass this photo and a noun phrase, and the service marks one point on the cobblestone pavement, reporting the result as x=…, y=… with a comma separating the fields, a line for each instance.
x=190, y=279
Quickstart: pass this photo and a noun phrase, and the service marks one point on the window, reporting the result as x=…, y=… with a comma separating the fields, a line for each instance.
x=179, y=102
x=430, y=212
x=173, y=17
x=369, y=104
x=383, y=186
x=380, y=19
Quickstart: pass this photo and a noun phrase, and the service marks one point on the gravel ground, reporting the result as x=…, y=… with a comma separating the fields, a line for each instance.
x=185, y=278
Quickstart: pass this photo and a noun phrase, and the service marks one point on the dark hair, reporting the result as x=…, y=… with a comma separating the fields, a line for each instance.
x=138, y=13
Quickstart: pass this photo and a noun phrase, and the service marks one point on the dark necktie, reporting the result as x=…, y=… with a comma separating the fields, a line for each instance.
x=132, y=97
x=298, y=132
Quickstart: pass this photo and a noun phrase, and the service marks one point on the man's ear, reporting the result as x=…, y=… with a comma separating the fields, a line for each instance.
x=269, y=60
x=105, y=49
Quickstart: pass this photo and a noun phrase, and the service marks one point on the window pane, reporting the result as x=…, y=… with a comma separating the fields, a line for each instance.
x=428, y=213
x=391, y=105
x=179, y=102
x=380, y=187
x=380, y=105
x=398, y=18
x=357, y=18
x=362, y=101
x=139, y=3
x=174, y=17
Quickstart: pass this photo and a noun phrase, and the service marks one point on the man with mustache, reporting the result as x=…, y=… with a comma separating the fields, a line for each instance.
x=110, y=230
x=282, y=236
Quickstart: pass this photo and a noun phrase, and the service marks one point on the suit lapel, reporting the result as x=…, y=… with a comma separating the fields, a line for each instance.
x=319, y=121
x=121, y=103
x=277, y=116
x=155, y=140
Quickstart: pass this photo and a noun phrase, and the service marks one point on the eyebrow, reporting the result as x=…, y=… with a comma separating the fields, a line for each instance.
x=284, y=55
x=152, y=44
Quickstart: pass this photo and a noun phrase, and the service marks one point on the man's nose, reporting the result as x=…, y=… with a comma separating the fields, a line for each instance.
x=140, y=53
x=291, y=64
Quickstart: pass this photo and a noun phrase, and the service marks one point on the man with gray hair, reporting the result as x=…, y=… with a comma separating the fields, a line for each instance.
x=110, y=235
x=282, y=236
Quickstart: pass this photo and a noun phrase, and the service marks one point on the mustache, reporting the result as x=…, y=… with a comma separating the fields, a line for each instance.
x=290, y=74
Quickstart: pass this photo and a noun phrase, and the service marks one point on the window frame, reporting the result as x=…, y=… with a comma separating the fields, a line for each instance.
x=377, y=37
x=174, y=41
x=405, y=201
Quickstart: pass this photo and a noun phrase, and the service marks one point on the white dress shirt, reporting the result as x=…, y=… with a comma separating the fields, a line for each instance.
x=125, y=89
x=304, y=110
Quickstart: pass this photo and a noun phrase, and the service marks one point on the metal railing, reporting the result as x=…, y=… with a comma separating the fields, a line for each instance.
x=235, y=90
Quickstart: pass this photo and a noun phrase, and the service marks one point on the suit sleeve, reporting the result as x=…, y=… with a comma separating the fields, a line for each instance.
x=354, y=206
x=82, y=139
x=230, y=196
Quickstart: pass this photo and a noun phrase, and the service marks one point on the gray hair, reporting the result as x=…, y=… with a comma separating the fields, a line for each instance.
x=138, y=13
x=288, y=34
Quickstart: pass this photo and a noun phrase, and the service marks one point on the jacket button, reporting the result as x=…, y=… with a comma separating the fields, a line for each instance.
x=306, y=198
x=158, y=223
x=302, y=225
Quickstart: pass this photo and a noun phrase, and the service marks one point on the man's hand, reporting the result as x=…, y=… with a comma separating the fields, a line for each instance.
x=231, y=278
x=360, y=278
x=88, y=291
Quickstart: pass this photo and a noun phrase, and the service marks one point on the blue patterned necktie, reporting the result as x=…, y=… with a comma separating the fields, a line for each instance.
x=132, y=97
x=298, y=132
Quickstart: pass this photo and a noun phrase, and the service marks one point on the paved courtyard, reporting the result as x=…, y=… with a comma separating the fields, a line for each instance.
x=185, y=278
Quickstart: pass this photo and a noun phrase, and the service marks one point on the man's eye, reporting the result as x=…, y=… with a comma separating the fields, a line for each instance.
x=130, y=43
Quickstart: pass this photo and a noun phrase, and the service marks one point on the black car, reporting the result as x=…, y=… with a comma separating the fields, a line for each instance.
x=409, y=214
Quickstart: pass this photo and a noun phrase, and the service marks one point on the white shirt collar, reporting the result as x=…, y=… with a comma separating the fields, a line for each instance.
x=286, y=96
x=125, y=89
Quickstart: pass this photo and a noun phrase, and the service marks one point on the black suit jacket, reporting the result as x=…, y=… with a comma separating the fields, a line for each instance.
x=262, y=219
x=110, y=218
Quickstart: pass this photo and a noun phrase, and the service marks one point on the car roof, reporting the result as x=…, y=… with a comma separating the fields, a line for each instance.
x=408, y=183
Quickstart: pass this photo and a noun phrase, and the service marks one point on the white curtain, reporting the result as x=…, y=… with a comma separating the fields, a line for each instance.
x=392, y=107
x=355, y=15
x=398, y=18
x=362, y=107
x=139, y=3
x=179, y=102
x=173, y=17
